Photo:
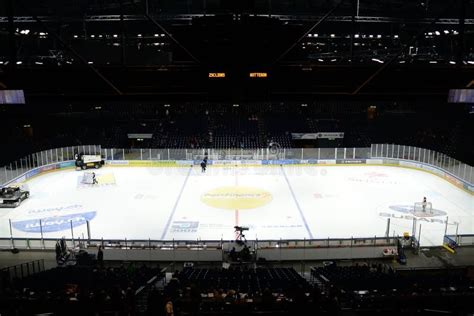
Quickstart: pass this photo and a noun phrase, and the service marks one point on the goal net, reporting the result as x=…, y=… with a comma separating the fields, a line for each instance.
x=423, y=207
x=87, y=178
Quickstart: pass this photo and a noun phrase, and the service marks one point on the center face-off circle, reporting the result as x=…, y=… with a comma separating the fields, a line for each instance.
x=236, y=197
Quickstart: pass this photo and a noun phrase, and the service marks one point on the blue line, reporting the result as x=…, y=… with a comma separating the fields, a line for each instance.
x=297, y=204
x=176, y=204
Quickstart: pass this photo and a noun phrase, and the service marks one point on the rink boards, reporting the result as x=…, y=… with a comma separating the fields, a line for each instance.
x=288, y=200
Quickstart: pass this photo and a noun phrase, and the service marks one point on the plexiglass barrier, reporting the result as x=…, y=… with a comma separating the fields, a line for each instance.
x=426, y=156
x=17, y=168
x=455, y=167
x=49, y=244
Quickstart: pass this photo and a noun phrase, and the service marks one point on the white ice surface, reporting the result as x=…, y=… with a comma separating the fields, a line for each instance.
x=307, y=202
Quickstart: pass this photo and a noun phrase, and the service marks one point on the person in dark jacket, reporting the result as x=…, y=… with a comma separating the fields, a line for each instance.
x=100, y=257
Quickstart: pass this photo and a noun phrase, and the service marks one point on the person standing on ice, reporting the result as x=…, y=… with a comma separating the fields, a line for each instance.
x=203, y=166
x=94, y=180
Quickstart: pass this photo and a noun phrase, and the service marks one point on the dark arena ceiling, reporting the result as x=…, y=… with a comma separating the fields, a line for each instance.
x=250, y=49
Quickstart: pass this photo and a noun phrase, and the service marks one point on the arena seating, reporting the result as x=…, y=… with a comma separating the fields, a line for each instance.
x=76, y=290
x=247, y=126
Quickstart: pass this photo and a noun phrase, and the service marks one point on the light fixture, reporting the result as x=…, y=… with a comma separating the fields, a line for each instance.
x=235, y=105
x=115, y=35
x=437, y=33
x=377, y=60
x=75, y=36
x=19, y=62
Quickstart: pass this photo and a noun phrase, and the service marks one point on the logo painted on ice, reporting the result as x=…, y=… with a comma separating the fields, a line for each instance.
x=54, y=224
x=184, y=227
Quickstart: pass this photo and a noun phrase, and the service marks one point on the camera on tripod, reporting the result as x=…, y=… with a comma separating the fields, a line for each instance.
x=239, y=229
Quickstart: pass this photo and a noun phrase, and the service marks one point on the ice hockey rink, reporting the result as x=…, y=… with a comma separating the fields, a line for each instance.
x=287, y=202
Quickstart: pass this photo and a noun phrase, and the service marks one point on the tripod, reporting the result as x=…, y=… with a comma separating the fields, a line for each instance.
x=240, y=237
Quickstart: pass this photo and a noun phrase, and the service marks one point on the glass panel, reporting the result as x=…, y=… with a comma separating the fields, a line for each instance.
x=327, y=153
x=311, y=153
x=179, y=154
